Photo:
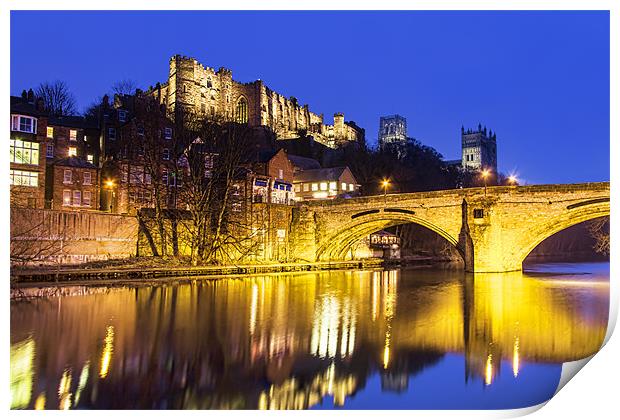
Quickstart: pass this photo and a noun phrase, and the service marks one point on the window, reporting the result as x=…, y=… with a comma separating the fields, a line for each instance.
x=112, y=133
x=306, y=187
x=164, y=177
x=323, y=186
x=166, y=154
x=122, y=115
x=66, y=176
x=168, y=133
x=241, y=112
x=49, y=151
x=87, y=178
x=315, y=187
x=351, y=187
x=280, y=173
x=24, y=152
x=147, y=178
x=86, y=199
x=73, y=135
x=140, y=130
x=66, y=197
x=72, y=151
x=77, y=197
x=297, y=188
x=343, y=186
x=478, y=213
x=24, y=178
x=332, y=186
x=50, y=132
x=90, y=158
x=23, y=123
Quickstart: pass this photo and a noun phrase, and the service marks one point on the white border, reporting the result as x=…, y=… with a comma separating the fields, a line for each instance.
x=593, y=395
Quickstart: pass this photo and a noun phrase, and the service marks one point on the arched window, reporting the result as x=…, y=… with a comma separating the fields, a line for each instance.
x=241, y=112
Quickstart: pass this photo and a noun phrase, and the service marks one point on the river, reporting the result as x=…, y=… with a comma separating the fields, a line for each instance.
x=393, y=339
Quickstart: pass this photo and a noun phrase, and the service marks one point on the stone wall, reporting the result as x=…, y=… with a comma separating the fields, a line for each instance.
x=40, y=237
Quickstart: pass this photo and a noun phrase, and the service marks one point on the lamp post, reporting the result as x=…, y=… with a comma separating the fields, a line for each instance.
x=485, y=175
x=385, y=184
x=110, y=188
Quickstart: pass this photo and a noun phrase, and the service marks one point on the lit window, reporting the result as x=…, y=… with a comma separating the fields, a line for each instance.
x=50, y=132
x=332, y=185
x=49, y=151
x=241, y=112
x=351, y=186
x=90, y=158
x=66, y=197
x=112, y=133
x=280, y=174
x=24, y=152
x=166, y=154
x=167, y=133
x=86, y=199
x=73, y=135
x=297, y=188
x=306, y=187
x=77, y=197
x=66, y=176
x=87, y=178
x=323, y=186
x=315, y=187
x=24, y=178
x=72, y=151
x=343, y=186
x=23, y=123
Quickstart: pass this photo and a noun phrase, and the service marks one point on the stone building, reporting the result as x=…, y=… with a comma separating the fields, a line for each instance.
x=211, y=92
x=392, y=130
x=479, y=149
x=28, y=140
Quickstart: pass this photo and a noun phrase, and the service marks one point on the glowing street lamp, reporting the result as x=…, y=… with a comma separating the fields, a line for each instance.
x=385, y=184
x=485, y=175
x=109, y=185
x=512, y=180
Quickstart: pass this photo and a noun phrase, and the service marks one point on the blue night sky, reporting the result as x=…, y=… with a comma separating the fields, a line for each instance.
x=540, y=79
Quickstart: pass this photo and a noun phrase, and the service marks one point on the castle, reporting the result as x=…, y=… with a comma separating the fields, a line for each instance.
x=214, y=93
x=392, y=130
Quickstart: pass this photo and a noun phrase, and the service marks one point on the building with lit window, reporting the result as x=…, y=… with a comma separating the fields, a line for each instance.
x=27, y=151
x=392, y=130
x=73, y=184
x=325, y=183
x=212, y=92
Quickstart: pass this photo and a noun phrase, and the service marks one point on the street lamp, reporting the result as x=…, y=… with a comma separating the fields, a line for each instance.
x=385, y=184
x=109, y=184
x=485, y=175
x=512, y=180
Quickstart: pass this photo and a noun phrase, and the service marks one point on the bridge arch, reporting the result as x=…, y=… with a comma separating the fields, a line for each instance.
x=338, y=244
x=578, y=213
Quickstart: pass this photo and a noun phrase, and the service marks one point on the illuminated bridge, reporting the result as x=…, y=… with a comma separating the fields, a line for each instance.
x=493, y=229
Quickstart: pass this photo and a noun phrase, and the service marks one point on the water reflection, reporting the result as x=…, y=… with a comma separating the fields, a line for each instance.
x=297, y=341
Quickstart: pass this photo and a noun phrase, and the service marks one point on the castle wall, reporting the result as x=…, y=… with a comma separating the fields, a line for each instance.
x=211, y=92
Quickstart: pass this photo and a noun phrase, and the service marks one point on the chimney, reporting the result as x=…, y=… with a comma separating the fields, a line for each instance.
x=30, y=96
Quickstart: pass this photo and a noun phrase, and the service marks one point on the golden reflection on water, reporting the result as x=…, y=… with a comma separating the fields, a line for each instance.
x=289, y=341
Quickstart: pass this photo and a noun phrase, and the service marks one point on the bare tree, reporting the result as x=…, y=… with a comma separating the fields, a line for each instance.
x=57, y=98
x=124, y=87
x=599, y=229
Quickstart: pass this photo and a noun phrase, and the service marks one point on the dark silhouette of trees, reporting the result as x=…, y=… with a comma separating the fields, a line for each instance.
x=57, y=98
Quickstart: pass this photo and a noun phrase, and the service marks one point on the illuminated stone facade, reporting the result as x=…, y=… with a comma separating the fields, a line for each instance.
x=392, y=130
x=214, y=93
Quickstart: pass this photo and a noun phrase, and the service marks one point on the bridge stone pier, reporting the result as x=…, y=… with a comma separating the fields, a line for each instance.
x=493, y=231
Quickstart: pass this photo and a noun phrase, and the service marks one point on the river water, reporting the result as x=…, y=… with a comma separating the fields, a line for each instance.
x=394, y=339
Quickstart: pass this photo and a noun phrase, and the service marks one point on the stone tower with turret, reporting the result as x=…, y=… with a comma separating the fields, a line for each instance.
x=392, y=130
x=479, y=149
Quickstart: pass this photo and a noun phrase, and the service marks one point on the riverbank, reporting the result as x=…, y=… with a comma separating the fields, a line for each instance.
x=100, y=276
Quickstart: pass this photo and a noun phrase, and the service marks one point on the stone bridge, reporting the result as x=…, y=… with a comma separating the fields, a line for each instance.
x=493, y=230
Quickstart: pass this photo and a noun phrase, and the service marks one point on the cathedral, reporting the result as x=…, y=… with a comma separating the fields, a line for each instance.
x=214, y=93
